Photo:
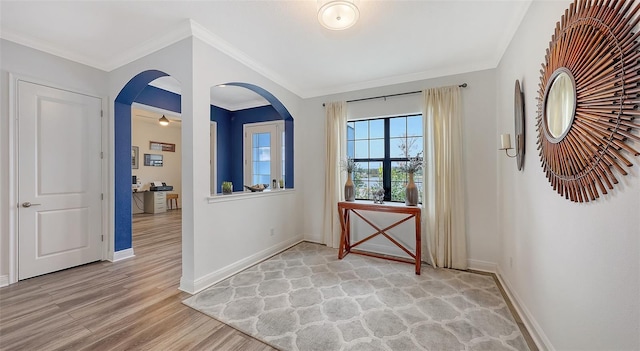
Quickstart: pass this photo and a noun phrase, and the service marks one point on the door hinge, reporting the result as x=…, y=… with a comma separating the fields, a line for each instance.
x=102, y=196
x=101, y=155
x=102, y=237
x=101, y=113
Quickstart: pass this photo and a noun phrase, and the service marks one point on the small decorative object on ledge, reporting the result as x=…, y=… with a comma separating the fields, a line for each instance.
x=227, y=188
x=378, y=196
x=414, y=165
x=257, y=187
x=588, y=98
x=281, y=183
x=350, y=166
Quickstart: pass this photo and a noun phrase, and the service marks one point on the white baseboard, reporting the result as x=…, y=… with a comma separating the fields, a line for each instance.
x=313, y=238
x=225, y=272
x=122, y=255
x=536, y=332
x=482, y=266
x=391, y=250
x=4, y=280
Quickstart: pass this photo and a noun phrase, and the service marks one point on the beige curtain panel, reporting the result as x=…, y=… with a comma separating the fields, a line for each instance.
x=336, y=135
x=444, y=226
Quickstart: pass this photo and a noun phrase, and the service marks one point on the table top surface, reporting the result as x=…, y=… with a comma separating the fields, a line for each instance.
x=397, y=207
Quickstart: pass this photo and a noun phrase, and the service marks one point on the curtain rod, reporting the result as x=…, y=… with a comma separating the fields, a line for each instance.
x=463, y=85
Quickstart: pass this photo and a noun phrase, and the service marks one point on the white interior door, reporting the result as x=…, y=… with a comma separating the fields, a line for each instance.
x=59, y=179
x=262, y=156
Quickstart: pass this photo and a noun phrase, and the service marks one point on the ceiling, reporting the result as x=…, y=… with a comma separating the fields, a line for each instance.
x=393, y=42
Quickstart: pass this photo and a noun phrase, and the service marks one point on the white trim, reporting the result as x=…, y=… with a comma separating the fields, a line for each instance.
x=13, y=179
x=4, y=280
x=537, y=334
x=482, y=266
x=160, y=111
x=173, y=35
x=122, y=255
x=212, y=278
x=202, y=33
x=386, y=249
x=242, y=195
x=274, y=128
x=106, y=248
x=13, y=165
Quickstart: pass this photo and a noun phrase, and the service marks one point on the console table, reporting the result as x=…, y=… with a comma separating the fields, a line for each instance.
x=346, y=208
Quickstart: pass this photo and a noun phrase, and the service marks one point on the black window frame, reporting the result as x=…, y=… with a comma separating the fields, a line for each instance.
x=387, y=160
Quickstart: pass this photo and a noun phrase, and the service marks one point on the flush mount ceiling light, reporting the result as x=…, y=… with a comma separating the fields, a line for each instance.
x=163, y=121
x=338, y=14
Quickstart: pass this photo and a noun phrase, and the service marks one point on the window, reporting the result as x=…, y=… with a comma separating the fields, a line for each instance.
x=264, y=153
x=380, y=147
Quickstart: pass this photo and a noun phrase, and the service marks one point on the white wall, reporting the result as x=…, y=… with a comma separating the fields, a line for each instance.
x=144, y=130
x=575, y=266
x=226, y=233
x=479, y=133
x=45, y=68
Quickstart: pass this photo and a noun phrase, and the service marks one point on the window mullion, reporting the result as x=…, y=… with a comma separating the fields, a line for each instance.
x=386, y=164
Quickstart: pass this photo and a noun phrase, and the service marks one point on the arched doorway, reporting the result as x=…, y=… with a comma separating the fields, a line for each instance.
x=122, y=156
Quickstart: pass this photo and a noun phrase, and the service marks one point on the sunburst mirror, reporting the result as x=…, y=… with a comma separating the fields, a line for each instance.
x=588, y=98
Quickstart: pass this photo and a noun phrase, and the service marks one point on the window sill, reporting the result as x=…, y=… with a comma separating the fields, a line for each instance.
x=243, y=195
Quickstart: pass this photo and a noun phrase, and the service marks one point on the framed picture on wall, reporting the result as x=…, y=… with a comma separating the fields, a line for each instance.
x=134, y=157
x=153, y=160
x=160, y=146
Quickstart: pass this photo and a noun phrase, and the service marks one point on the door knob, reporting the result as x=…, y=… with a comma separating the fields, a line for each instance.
x=29, y=204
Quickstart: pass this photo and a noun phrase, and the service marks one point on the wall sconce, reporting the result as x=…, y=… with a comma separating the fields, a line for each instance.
x=163, y=121
x=505, y=144
x=518, y=117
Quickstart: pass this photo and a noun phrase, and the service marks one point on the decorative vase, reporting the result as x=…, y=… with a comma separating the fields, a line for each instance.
x=411, y=192
x=349, y=189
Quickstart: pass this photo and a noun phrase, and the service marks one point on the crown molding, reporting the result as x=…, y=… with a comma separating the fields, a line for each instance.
x=245, y=105
x=401, y=79
x=171, y=36
x=200, y=32
x=41, y=45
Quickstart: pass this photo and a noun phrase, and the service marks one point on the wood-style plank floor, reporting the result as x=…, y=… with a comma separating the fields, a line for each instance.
x=133, y=304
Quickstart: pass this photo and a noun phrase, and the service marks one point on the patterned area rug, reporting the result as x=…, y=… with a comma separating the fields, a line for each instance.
x=306, y=299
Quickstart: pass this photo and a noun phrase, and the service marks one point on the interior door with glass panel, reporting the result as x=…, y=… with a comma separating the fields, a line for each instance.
x=263, y=156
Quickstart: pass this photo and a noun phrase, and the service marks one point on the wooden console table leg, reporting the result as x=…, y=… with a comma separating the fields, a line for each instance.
x=418, y=243
x=344, y=234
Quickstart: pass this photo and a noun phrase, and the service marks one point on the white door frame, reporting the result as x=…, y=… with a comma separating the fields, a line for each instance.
x=13, y=169
x=277, y=144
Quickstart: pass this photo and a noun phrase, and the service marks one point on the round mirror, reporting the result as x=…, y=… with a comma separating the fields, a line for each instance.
x=560, y=104
x=518, y=115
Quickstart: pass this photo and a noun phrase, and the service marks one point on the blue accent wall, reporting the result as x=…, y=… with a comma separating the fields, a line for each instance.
x=238, y=120
x=160, y=98
x=283, y=114
x=222, y=118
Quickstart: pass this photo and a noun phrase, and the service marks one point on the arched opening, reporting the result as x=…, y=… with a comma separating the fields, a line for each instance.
x=231, y=111
x=137, y=90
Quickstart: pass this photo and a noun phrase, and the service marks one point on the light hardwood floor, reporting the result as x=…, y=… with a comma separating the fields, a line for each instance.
x=134, y=304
